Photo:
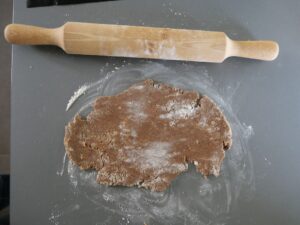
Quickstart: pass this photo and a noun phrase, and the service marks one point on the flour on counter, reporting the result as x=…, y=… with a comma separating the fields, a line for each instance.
x=61, y=171
x=81, y=90
x=192, y=199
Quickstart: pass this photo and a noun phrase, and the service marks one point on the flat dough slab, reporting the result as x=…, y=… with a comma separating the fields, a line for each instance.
x=147, y=135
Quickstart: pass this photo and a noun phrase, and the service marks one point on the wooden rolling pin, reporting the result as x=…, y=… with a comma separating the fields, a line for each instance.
x=141, y=42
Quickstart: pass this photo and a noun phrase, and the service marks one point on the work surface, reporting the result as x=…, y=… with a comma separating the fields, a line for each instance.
x=265, y=97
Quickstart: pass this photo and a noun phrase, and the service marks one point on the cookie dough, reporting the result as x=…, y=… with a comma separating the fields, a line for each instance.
x=147, y=135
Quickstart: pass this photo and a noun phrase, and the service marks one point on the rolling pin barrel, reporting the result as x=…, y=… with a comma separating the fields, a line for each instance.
x=141, y=42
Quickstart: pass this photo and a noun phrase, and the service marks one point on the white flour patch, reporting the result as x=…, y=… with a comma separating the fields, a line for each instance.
x=124, y=131
x=162, y=49
x=125, y=53
x=133, y=133
x=179, y=110
x=268, y=161
x=136, y=110
x=155, y=155
x=71, y=170
x=191, y=199
x=167, y=52
x=81, y=90
x=203, y=121
x=248, y=130
x=54, y=218
x=107, y=197
x=138, y=87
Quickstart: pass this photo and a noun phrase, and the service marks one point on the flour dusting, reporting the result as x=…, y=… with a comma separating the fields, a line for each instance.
x=81, y=90
x=164, y=49
x=179, y=110
x=61, y=171
x=73, y=179
x=191, y=199
x=155, y=155
x=203, y=122
x=136, y=109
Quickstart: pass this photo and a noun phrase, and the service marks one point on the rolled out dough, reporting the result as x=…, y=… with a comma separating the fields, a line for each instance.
x=147, y=135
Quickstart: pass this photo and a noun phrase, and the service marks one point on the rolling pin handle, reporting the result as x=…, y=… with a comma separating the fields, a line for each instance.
x=32, y=35
x=261, y=50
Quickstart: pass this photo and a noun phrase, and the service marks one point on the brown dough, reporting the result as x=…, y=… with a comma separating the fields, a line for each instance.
x=147, y=135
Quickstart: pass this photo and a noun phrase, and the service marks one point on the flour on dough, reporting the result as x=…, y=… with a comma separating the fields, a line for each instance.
x=147, y=135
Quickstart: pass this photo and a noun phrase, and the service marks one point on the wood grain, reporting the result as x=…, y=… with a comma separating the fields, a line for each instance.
x=141, y=42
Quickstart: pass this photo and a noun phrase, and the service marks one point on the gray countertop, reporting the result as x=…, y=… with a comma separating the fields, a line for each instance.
x=5, y=65
x=266, y=97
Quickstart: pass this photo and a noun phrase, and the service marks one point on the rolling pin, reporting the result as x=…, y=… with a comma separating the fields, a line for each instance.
x=141, y=42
